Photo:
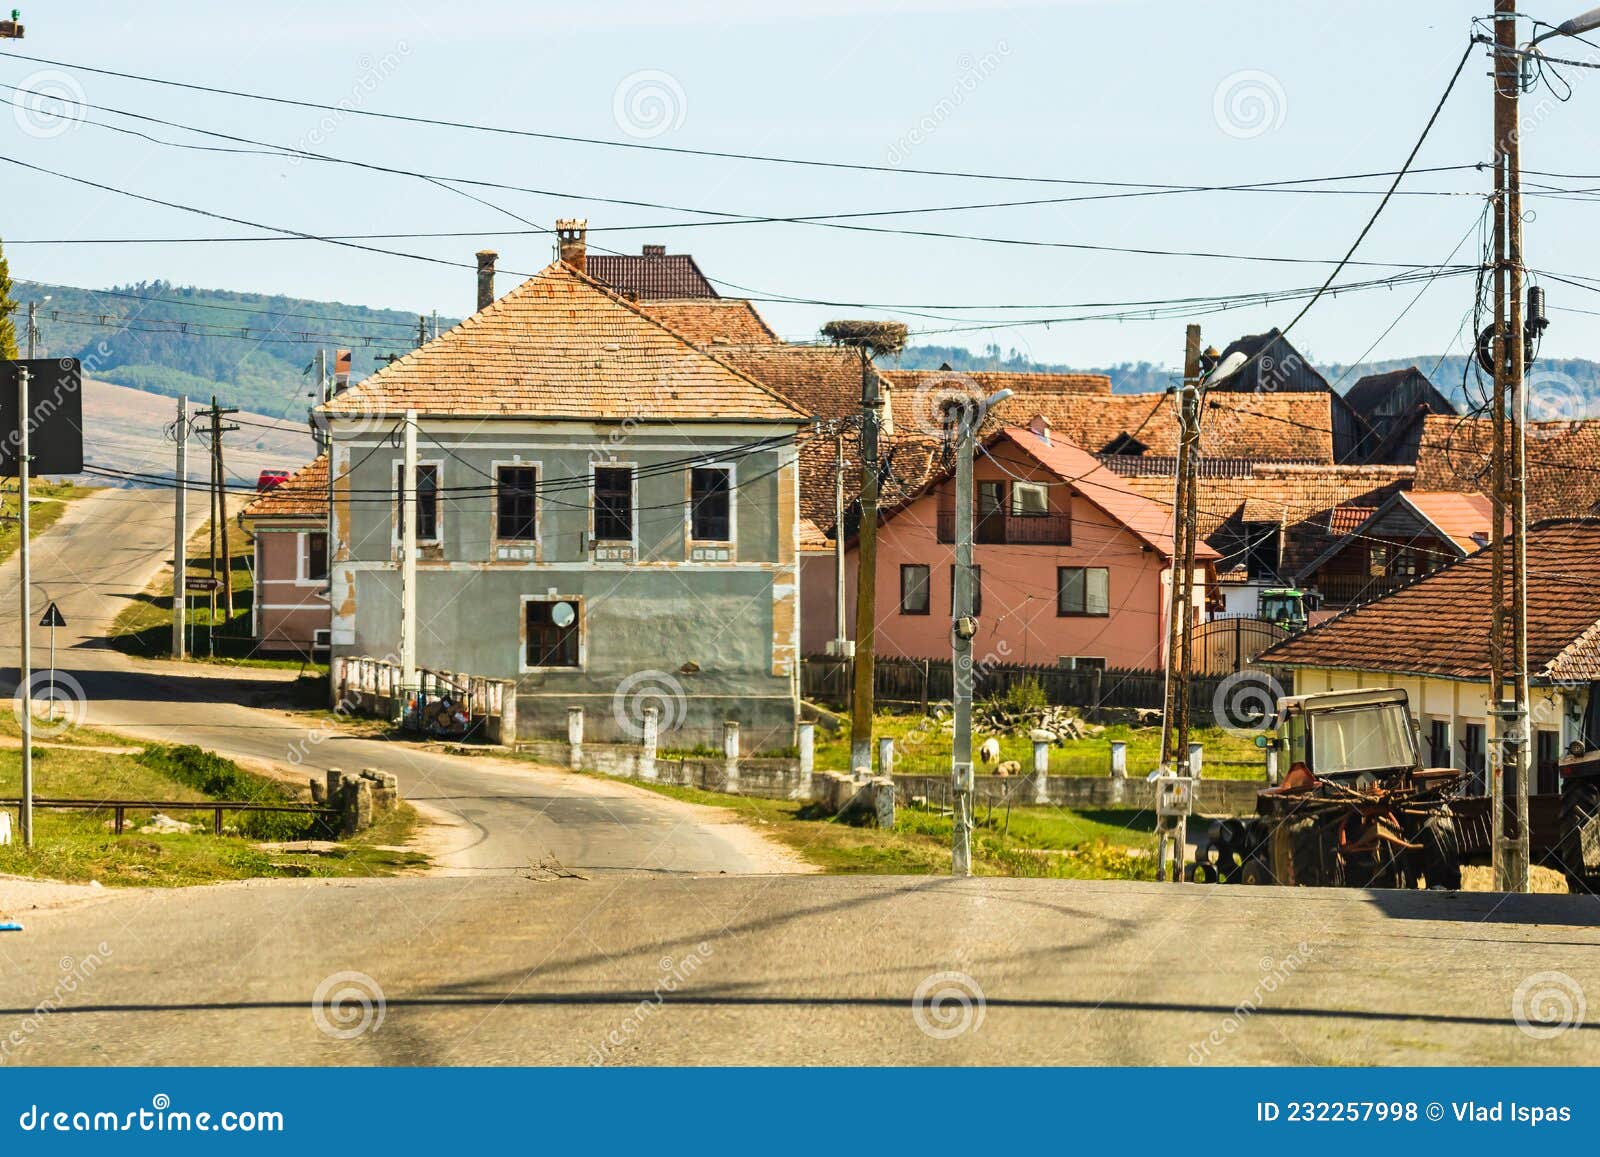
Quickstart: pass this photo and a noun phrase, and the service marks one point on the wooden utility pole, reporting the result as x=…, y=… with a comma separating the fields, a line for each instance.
x=1508, y=686
x=839, y=629
x=861, y=704
x=219, y=509
x=180, y=530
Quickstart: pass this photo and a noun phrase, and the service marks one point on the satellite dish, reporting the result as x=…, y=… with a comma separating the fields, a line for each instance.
x=562, y=614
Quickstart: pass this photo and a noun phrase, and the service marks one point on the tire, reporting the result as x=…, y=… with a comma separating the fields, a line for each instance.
x=1441, y=852
x=1307, y=851
x=1255, y=872
x=1580, y=824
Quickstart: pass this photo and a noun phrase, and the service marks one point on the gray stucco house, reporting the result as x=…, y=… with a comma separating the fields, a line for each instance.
x=607, y=514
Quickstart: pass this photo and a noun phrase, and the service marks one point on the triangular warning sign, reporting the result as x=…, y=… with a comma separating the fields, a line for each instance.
x=52, y=617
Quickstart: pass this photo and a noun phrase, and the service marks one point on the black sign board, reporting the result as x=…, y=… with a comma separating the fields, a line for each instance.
x=201, y=584
x=55, y=406
x=52, y=617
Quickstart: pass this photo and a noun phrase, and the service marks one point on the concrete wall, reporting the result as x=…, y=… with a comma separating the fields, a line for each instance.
x=704, y=632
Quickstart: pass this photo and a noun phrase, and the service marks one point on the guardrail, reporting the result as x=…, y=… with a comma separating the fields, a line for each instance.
x=120, y=807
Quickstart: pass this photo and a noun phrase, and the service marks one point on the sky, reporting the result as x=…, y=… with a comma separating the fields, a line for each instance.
x=1154, y=92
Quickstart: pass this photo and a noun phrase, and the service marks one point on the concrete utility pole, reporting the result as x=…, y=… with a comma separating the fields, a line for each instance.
x=25, y=583
x=324, y=435
x=180, y=531
x=33, y=328
x=861, y=704
x=1508, y=467
x=838, y=547
x=962, y=630
x=408, y=556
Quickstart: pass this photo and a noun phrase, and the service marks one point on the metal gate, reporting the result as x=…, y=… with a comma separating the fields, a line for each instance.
x=1224, y=646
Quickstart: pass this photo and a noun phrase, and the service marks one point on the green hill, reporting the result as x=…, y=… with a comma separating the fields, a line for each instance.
x=251, y=350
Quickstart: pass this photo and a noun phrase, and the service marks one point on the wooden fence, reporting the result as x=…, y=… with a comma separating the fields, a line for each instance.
x=919, y=684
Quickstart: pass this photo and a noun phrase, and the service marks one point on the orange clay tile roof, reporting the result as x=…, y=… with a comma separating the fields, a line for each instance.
x=712, y=320
x=303, y=495
x=1282, y=492
x=560, y=345
x=811, y=536
x=1465, y=519
x=1439, y=625
x=991, y=380
x=823, y=381
x=1563, y=461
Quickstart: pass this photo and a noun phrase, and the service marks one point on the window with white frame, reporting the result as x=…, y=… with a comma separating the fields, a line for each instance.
x=314, y=555
x=516, y=494
x=711, y=504
x=613, y=503
x=552, y=632
x=427, y=501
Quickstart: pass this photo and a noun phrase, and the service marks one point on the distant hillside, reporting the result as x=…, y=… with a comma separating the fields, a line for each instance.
x=1126, y=377
x=252, y=350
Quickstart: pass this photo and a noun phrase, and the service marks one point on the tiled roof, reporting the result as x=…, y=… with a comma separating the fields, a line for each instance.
x=654, y=273
x=562, y=346
x=823, y=381
x=303, y=495
x=991, y=380
x=811, y=536
x=1280, y=492
x=1563, y=461
x=1465, y=519
x=1439, y=625
x=712, y=320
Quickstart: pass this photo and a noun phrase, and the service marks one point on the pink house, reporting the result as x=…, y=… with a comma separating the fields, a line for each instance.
x=1073, y=565
x=290, y=524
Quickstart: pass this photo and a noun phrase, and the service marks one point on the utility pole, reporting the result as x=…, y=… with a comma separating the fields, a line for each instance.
x=25, y=584
x=1508, y=687
x=180, y=531
x=219, y=507
x=1171, y=829
x=324, y=435
x=422, y=330
x=866, y=571
x=962, y=629
x=408, y=557
x=838, y=546
x=33, y=328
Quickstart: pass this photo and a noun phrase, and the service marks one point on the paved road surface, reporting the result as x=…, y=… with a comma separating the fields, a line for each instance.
x=106, y=549
x=800, y=970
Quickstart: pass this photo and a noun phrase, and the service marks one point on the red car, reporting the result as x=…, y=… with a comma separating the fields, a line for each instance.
x=271, y=480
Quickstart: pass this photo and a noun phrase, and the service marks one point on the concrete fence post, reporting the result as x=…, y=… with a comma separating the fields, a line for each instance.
x=1041, y=771
x=508, y=712
x=336, y=682
x=730, y=755
x=1195, y=760
x=808, y=758
x=885, y=755
x=575, y=737
x=649, y=730
x=1119, y=759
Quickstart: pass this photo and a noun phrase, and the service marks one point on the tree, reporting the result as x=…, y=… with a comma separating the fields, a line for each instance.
x=8, y=306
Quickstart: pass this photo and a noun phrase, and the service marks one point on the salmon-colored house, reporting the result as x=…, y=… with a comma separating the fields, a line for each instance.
x=290, y=524
x=1073, y=564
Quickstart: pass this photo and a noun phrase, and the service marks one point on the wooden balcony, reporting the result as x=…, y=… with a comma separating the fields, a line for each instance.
x=1013, y=529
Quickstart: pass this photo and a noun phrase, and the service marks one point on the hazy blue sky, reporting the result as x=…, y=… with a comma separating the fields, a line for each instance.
x=1111, y=91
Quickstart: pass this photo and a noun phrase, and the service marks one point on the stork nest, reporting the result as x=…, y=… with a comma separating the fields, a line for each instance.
x=876, y=337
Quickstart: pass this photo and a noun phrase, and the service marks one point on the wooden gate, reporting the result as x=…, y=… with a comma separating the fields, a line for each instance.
x=1224, y=646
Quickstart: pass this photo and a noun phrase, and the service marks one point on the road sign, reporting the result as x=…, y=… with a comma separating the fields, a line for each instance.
x=201, y=583
x=52, y=617
x=55, y=406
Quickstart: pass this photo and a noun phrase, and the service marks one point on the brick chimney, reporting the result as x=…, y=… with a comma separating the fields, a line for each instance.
x=486, y=260
x=655, y=250
x=1041, y=426
x=572, y=239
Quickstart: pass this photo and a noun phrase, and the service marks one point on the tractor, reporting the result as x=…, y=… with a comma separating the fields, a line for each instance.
x=1287, y=607
x=1355, y=808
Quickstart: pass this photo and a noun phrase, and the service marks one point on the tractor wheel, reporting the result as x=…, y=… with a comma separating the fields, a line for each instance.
x=1441, y=852
x=1580, y=835
x=1255, y=872
x=1311, y=856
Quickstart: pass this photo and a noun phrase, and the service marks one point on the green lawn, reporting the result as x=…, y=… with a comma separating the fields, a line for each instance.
x=1026, y=842
x=80, y=846
x=50, y=500
x=922, y=747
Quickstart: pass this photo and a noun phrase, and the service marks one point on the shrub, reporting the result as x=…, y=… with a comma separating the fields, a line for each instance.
x=220, y=778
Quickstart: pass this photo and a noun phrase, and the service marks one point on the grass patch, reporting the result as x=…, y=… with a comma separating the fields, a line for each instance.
x=50, y=501
x=922, y=747
x=1049, y=842
x=80, y=846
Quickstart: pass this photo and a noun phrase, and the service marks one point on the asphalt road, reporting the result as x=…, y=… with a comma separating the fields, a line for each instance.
x=653, y=959
x=505, y=817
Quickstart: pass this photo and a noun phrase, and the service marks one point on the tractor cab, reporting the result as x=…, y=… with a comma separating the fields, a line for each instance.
x=1287, y=607
x=1356, y=738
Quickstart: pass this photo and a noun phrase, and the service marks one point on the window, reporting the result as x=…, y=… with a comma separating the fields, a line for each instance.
x=1346, y=742
x=711, y=504
x=1080, y=663
x=613, y=503
x=1029, y=499
x=316, y=555
x=991, y=498
x=552, y=632
x=1083, y=590
x=1474, y=737
x=1546, y=763
x=515, y=492
x=913, y=589
x=977, y=590
x=1439, y=750
x=427, y=502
